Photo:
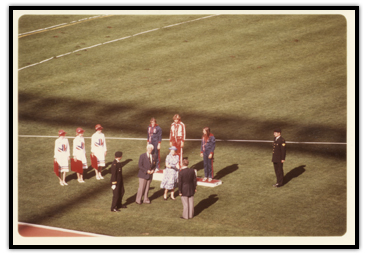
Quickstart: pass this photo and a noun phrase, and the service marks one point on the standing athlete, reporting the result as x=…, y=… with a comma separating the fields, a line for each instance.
x=177, y=136
x=154, y=137
x=207, y=152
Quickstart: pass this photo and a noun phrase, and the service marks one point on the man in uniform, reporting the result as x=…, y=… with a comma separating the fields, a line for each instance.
x=278, y=157
x=117, y=185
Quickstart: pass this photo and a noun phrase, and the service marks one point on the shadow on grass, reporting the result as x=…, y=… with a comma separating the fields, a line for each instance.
x=198, y=166
x=294, y=173
x=42, y=110
x=205, y=203
x=90, y=172
x=130, y=200
x=227, y=170
x=157, y=194
x=87, y=173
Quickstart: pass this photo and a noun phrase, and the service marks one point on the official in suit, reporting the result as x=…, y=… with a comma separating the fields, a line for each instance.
x=278, y=157
x=146, y=166
x=187, y=187
x=117, y=185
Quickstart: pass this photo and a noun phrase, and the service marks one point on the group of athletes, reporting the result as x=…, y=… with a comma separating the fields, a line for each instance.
x=99, y=149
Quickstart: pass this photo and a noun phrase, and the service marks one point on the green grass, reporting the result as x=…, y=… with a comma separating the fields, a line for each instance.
x=242, y=75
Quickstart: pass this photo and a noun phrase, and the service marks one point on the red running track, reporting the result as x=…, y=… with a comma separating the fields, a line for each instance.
x=31, y=230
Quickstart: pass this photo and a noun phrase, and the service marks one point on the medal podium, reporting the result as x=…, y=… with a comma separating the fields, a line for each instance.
x=158, y=176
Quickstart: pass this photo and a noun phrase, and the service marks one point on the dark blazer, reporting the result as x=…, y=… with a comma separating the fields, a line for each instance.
x=187, y=182
x=116, y=173
x=279, y=150
x=144, y=165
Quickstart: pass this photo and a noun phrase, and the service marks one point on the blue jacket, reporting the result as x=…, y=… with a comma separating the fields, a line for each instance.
x=208, y=147
x=156, y=135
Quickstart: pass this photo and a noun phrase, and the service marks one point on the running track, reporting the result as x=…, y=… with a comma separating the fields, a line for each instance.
x=33, y=230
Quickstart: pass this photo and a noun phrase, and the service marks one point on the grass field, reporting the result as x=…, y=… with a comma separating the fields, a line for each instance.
x=241, y=75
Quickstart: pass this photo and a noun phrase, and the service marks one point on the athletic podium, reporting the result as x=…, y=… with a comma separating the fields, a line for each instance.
x=158, y=176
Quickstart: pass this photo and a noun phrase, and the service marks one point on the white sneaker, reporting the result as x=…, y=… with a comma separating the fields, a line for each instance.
x=204, y=179
x=61, y=183
x=66, y=184
x=98, y=177
x=209, y=179
x=101, y=177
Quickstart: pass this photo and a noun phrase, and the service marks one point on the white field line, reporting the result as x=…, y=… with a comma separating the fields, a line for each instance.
x=62, y=55
x=196, y=140
x=43, y=29
x=60, y=25
x=61, y=229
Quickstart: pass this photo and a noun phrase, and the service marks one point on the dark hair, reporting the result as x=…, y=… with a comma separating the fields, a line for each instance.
x=185, y=162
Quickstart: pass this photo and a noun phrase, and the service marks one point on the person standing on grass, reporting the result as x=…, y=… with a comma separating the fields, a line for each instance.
x=187, y=189
x=278, y=157
x=154, y=136
x=146, y=166
x=207, y=152
x=170, y=177
x=117, y=185
x=98, y=149
x=62, y=156
x=79, y=153
x=177, y=136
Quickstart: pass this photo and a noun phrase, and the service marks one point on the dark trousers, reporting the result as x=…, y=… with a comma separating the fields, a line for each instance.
x=208, y=165
x=157, y=152
x=117, y=197
x=279, y=171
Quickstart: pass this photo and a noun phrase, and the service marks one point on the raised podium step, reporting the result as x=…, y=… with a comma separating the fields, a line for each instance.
x=157, y=176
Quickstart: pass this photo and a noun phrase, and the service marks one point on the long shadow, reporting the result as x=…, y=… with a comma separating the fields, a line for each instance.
x=205, y=203
x=227, y=170
x=87, y=173
x=130, y=200
x=106, y=170
x=198, y=166
x=70, y=177
x=37, y=109
x=90, y=172
x=159, y=193
x=294, y=173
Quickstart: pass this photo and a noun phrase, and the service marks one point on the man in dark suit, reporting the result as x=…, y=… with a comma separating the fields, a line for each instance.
x=146, y=166
x=117, y=183
x=187, y=188
x=278, y=157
